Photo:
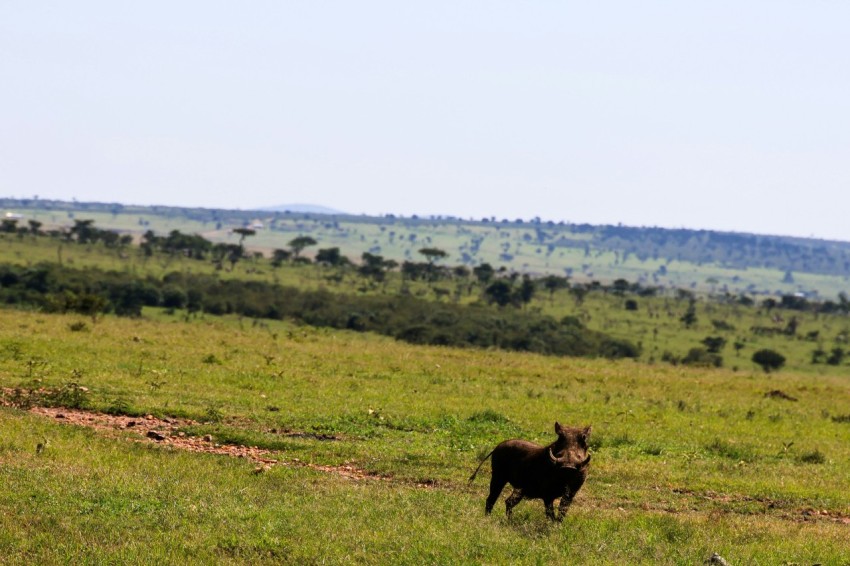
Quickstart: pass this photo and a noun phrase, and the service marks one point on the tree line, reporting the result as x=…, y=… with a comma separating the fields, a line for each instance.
x=93, y=292
x=733, y=250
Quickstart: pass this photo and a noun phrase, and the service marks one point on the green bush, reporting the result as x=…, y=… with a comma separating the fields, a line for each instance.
x=769, y=360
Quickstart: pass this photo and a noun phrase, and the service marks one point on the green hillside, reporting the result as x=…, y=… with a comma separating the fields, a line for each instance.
x=702, y=261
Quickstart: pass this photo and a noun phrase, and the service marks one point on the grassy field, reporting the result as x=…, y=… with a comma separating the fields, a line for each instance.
x=686, y=461
x=656, y=324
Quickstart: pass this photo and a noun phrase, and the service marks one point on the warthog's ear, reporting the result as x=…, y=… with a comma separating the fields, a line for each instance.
x=585, y=434
x=558, y=428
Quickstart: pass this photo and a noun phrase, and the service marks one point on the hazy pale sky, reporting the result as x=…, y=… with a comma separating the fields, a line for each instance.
x=722, y=115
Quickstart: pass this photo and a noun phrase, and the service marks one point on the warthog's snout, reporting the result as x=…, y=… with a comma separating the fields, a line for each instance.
x=565, y=463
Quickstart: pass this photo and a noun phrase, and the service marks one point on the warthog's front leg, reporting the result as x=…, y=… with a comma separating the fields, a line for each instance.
x=512, y=501
x=550, y=509
x=564, y=505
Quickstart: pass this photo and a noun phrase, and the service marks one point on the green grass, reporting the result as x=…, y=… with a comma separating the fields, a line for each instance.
x=686, y=462
x=655, y=325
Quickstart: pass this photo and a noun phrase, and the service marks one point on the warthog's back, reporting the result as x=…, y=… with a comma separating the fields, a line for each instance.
x=518, y=460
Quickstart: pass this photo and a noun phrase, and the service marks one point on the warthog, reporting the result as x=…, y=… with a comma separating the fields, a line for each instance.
x=540, y=472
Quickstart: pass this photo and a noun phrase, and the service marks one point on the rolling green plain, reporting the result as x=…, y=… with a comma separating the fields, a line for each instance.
x=539, y=248
x=368, y=442
x=686, y=461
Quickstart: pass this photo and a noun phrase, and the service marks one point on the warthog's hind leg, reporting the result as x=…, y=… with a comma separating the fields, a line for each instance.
x=496, y=486
x=512, y=501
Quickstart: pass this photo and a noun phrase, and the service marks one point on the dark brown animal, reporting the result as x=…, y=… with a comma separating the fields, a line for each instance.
x=540, y=472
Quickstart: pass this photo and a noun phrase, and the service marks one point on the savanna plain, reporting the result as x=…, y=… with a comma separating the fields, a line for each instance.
x=374, y=441
x=183, y=437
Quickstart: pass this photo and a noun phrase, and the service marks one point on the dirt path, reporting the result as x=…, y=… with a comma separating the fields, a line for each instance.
x=167, y=431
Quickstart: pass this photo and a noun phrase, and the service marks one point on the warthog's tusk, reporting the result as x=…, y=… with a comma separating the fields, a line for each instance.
x=561, y=460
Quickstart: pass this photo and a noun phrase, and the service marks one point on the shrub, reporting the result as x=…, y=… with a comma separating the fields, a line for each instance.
x=722, y=325
x=836, y=357
x=769, y=360
x=670, y=358
x=173, y=297
x=700, y=357
x=714, y=343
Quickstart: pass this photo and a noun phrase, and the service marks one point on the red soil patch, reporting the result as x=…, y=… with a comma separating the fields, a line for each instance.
x=166, y=431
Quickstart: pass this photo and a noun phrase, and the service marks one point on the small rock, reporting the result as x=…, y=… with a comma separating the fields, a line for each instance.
x=181, y=434
x=208, y=438
x=156, y=435
x=130, y=424
x=60, y=415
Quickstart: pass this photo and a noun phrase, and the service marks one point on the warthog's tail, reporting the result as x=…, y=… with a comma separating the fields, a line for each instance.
x=475, y=473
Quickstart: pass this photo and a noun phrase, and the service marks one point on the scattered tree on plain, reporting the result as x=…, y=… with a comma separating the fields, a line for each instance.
x=769, y=360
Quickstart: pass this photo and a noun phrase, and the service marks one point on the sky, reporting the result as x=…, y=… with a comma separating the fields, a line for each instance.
x=718, y=115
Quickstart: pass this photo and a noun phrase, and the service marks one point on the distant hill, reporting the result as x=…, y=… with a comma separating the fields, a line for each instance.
x=667, y=258
x=304, y=208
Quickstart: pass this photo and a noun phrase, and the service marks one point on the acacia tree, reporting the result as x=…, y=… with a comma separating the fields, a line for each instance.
x=298, y=244
x=433, y=254
x=243, y=233
x=331, y=256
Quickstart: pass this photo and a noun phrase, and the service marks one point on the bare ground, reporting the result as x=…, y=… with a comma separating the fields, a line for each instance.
x=166, y=431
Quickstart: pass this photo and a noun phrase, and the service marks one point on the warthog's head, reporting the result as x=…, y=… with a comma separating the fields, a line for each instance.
x=570, y=449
